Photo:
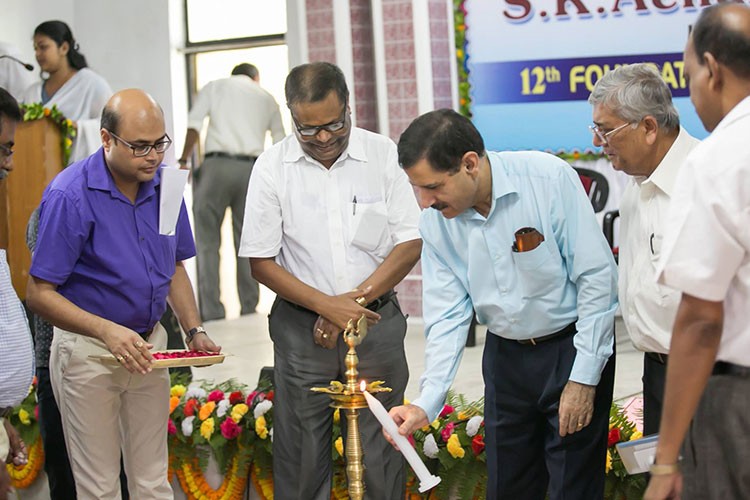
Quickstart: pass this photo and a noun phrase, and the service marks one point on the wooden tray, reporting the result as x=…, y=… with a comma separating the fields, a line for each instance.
x=109, y=359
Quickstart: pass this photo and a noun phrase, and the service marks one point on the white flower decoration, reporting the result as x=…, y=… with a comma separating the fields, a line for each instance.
x=223, y=407
x=472, y=426
x=187, y=426
x=195, y=392
x=430, y=448
x=261, y=408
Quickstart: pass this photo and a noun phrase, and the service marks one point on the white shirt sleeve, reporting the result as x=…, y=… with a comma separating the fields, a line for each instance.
x=262, y=229
x=702, y=252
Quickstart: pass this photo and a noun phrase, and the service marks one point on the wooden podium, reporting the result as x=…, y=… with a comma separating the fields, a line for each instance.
x=36, y=161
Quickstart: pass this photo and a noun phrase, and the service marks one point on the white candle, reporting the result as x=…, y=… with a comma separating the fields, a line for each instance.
x=426, y=480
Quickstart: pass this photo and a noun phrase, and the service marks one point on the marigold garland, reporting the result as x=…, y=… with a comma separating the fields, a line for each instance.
x=194, y=484
x=24, y=476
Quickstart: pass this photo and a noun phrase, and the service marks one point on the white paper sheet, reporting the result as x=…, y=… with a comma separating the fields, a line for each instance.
x=173, y=182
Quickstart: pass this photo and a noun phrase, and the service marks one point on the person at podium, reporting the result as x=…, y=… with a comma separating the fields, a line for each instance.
x=77, y=91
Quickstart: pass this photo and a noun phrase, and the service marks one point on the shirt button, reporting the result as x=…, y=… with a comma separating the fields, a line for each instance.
x=513, y=320
x=504, y=290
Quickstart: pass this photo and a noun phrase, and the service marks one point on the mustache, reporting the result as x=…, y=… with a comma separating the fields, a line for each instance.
x=438, y=206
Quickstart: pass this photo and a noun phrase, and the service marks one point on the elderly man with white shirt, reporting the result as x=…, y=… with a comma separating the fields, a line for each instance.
x=638, y=127
x=331, y=227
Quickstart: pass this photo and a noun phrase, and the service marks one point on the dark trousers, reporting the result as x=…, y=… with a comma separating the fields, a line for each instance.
x=222, y=184
x=654, y=378
x=716, y=451
x=303, y=420
x=56, y=463
x=526, y=457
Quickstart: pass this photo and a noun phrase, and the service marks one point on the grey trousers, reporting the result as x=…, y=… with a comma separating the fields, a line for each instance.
x=221, y=183
x=303, y=420
x=716, y=452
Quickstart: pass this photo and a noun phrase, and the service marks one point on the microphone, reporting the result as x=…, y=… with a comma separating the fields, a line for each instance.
x=25, y=65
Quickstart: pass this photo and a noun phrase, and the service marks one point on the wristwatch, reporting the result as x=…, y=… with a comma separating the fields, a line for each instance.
x=193, y=332
x=182, y=161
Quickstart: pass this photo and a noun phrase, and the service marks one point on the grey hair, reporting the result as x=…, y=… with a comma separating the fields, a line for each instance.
x=635, y=91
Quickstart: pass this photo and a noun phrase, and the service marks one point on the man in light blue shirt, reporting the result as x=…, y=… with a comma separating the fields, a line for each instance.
x=547, y=294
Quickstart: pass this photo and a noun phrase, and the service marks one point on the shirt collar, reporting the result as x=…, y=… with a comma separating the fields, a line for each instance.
x=99, y=177
x=741, y=110
x=355, y=150
x=665, y=174
x=501, y=184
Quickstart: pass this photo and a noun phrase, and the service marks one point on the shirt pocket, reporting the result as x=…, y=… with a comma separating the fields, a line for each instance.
x=537, y=271
x=369, y=224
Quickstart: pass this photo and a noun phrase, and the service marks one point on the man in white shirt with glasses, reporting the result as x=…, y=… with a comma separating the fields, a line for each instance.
x=638, y=128
x=331, y=224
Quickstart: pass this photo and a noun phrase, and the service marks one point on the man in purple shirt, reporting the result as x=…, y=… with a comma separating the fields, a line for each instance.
x=102, y=275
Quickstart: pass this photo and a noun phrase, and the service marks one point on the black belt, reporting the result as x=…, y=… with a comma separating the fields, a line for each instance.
x=6, y=412
x=568, y=330
x=658, y=357
x=724, y=368
x=221, y=154
x=372, y=306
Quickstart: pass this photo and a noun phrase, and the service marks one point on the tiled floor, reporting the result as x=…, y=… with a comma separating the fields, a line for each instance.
x=246, y=340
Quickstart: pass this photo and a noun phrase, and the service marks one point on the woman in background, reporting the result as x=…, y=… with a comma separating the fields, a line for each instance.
x=79, y=93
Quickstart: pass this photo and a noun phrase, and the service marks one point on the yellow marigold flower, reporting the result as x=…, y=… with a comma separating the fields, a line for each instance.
x=239, y=411
x=435, y=424
x=406, y=401
x=47, y=111
x=340, y=445
x=636, y=435
x=207, y=428
x=68, y=142
x=206, y=410
x=454, y=447
x=23, y=415
x=462, y=416
x=174, y=401
x=460, y=54
x=260, y=427
x=608, y=466
x=177, y=390
x=336, y=416
x=68, y=122
x=425, y=428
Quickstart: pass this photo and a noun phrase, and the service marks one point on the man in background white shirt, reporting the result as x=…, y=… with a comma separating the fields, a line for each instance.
x=706, y=255
x=239, y=113
x=331, y=218
x=637, y=126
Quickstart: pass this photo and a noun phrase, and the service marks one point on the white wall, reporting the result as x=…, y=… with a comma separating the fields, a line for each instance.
x=129, y=43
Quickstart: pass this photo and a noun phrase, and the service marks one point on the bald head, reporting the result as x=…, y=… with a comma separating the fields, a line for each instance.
x=130, y=105
x=723, y=31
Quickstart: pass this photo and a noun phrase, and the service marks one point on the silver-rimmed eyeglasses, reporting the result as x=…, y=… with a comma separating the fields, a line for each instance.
x=604, y=135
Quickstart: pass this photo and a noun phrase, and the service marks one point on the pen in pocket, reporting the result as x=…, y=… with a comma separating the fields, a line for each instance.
x=354, y=205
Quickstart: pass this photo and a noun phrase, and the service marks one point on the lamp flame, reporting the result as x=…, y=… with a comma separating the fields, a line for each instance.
x=363, y=386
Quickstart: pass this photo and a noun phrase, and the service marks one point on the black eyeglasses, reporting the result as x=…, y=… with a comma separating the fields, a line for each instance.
x=141, y=150
x=7, y=151
x=336, y=126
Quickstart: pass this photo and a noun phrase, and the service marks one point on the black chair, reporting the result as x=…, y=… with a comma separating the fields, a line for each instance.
x=596, y=187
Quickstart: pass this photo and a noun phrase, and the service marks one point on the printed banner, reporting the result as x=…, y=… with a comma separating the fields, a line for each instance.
x=533, y=63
